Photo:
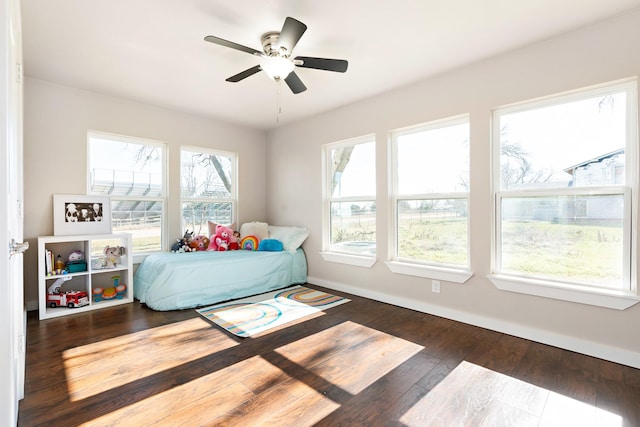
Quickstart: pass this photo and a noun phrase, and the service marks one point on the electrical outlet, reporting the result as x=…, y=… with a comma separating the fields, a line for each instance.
x=435, y=286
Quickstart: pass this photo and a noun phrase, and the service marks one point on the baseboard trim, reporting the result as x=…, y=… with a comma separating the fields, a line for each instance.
x=566, y=342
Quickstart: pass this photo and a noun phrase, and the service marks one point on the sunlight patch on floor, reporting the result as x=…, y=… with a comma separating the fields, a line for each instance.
x=349, y=355
x=248, y=391
x=473, y=395
x=125, y=359
x=564, y=411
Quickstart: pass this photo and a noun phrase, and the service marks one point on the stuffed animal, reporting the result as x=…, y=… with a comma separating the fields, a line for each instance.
x=76, y=262
x=114, y=250
x=76, y=256
x=234, y=244
x=182, y=245
x=199, y=243
x=112, y=256
x=221, y=241
x=250, y=243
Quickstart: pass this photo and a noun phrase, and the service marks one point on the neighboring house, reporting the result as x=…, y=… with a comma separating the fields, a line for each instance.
x=607, y=169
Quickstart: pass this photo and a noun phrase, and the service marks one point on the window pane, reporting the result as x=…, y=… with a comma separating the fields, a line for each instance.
x=575, y=238
x=578, y=143
x=353, y=227
x=433, y=231
x=98, y=246
x=131, y=171
x=195, y=215
x=120, y=168
x=143, y=219
x=353, y=171
x=206, y=175
x=434, y=160
x=430, y=162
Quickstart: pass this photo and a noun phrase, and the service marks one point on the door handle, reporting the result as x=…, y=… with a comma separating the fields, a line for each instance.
x=17, y=248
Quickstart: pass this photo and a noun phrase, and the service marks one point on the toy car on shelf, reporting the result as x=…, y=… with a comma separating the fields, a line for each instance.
x=69, y=299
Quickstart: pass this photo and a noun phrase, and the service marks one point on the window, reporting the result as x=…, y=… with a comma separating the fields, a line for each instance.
x=350, y=197
x=430, y=169
x=565, y=176
x=207, y=188
x=132, y=172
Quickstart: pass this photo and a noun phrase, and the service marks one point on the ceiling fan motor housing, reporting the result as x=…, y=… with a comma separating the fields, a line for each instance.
x=271, y=46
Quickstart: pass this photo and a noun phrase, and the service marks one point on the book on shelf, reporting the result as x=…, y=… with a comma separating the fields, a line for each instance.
x=48, y=261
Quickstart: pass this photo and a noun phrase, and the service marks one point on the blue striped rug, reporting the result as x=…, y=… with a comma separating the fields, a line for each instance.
x=249, y=316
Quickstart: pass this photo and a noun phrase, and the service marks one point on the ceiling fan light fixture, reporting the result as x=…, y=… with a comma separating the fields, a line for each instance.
x=277, y=67
x=276, y=58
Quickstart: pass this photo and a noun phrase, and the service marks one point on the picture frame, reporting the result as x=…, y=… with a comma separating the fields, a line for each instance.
x=81, y=214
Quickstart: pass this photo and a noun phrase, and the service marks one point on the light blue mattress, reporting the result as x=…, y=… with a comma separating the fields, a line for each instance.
x=170, y=281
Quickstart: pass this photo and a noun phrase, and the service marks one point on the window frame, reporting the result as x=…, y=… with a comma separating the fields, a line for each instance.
x=233, y=200
x=421, y=268
x=566, y=290
x=162, y=199
x=328, y=252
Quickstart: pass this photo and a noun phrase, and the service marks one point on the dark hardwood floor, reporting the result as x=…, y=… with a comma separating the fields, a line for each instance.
x=363, y=363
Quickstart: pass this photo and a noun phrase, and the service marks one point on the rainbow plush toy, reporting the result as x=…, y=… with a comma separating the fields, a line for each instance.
x=250, y=243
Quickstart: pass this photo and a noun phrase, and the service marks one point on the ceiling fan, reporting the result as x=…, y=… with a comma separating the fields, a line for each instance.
x=276, y=58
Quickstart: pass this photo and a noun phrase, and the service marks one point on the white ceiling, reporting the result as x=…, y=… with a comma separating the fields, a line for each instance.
x=153, y=51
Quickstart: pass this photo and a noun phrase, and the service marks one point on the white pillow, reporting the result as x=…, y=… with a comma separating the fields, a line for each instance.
x=291, y=237
x=255, y=228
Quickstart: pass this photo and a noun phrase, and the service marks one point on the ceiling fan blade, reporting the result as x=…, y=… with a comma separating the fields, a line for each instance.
x=291, y=32
x=244, y=74
x=232, y=45
x=338, y=65
x=294, y=83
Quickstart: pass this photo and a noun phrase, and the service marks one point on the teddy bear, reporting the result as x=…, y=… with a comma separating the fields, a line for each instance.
x=222, y=240
x=199, y=243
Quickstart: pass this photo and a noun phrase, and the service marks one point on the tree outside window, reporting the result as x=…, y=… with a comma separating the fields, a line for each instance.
x=208, y=191
x=351, y=190
x=564, y=206
x=131, y=171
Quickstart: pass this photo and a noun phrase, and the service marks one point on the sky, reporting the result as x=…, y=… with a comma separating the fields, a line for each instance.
x=430, y=161
x=110, y=154
x=561, y=136
x=555, y=137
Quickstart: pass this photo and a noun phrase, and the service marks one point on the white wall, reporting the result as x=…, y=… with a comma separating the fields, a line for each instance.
x=56, y=122
x=600, y=53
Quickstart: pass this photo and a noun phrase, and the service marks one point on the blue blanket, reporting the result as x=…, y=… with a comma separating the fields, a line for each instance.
x=170, y=281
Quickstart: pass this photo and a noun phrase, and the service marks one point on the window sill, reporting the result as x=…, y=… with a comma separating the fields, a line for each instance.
x=357, y=260
x=429, y=272
x=617, y=300
x=139, y=257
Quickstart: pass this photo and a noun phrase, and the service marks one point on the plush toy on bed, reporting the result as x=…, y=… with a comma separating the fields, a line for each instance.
x=199, y=243
x=234, y=243
x=182, y=245
x=223, y=239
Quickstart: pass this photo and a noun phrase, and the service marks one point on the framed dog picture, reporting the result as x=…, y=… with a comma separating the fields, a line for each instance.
x=81, y=214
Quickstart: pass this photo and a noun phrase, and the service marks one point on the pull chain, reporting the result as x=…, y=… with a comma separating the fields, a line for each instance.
x=278, y=106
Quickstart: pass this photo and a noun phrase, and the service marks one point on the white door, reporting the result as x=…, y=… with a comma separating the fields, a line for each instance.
x=12, y=309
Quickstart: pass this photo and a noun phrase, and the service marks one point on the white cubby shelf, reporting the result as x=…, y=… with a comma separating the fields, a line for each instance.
x=94, y=277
